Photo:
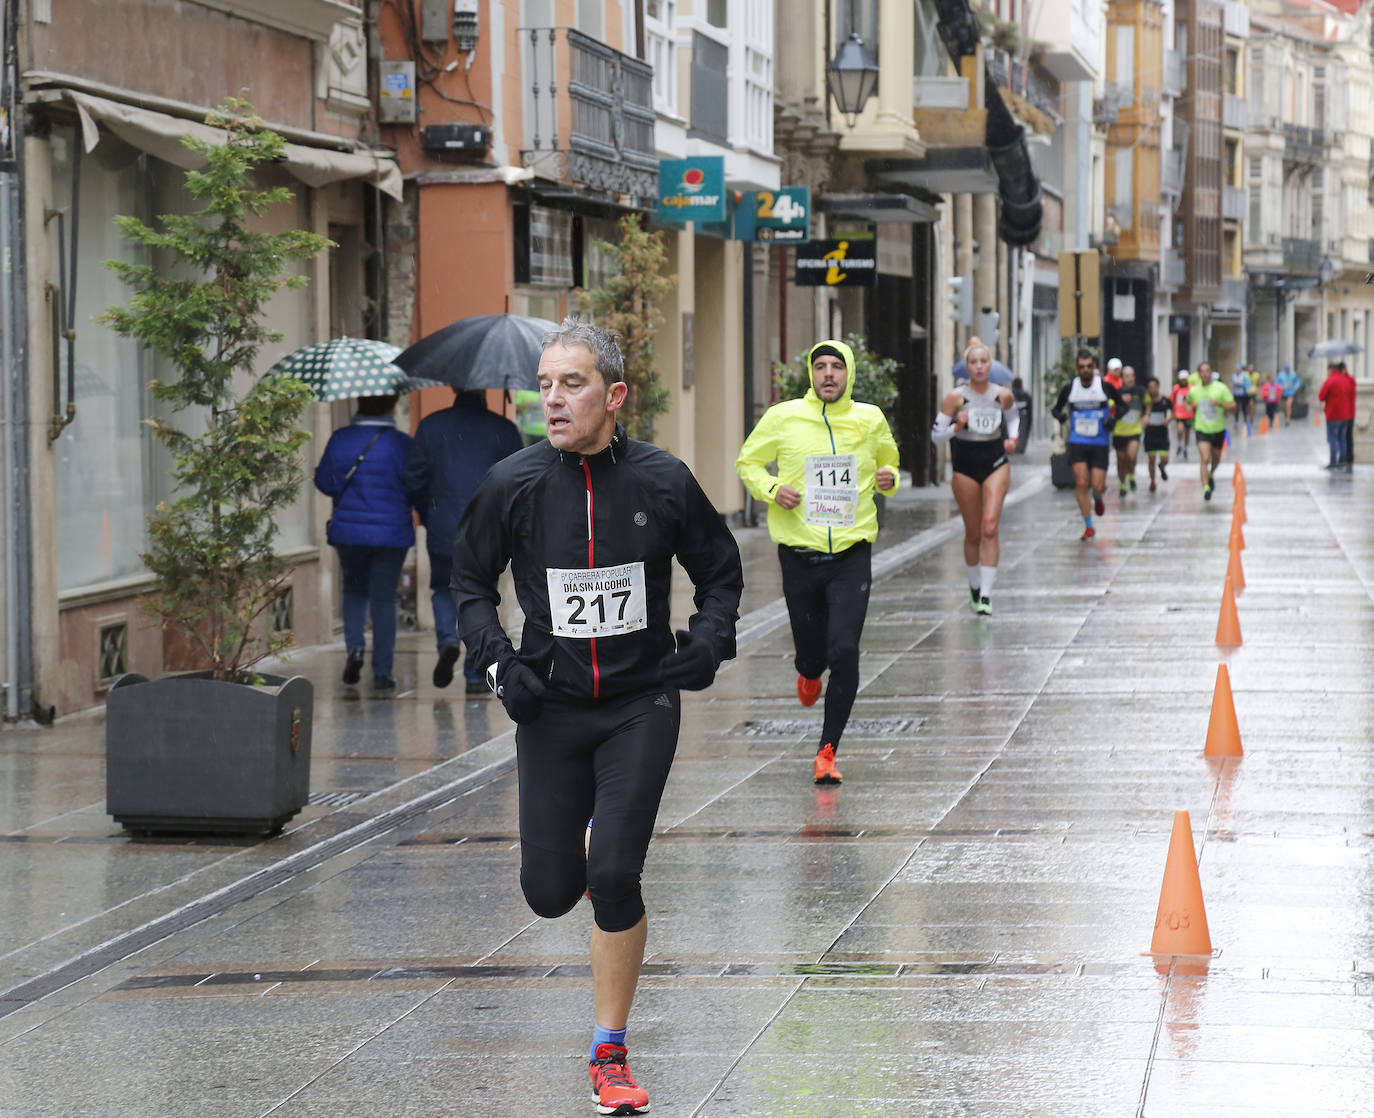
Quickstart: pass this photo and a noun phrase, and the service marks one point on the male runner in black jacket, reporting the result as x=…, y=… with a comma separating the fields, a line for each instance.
x=590, y=522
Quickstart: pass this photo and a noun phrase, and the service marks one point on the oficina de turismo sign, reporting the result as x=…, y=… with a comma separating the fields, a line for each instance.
x=692, y=189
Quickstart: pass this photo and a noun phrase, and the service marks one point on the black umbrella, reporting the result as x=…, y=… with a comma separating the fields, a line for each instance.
x=486, y=351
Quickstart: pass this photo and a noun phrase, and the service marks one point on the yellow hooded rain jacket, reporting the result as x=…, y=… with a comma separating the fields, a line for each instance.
x=829, y=453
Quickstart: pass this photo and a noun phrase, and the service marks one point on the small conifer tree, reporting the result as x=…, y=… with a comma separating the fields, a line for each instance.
x=235, y=452
x=630, y=302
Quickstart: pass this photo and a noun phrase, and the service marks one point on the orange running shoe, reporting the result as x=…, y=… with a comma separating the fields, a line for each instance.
x=808, y=690
x=613, y=1087
x=823, y=767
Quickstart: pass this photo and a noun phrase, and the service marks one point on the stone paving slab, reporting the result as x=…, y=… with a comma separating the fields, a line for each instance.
x=958, y=929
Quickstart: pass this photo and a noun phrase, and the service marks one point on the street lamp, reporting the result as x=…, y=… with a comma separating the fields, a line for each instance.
x=852, y=77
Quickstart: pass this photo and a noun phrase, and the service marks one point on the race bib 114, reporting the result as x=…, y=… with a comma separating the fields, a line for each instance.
x=597, y=601
x=832, y=490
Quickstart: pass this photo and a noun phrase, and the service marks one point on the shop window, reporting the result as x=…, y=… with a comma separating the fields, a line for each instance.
x=111, y=471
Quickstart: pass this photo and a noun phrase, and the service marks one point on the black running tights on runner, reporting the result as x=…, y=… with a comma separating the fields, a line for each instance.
x=827, y=599
x=609, y=759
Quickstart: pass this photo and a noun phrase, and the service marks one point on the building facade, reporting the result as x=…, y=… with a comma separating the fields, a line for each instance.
x=102, y=100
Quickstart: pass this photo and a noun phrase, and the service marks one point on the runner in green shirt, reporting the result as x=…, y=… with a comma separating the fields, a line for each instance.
x=1129, y=424
x=1212, y=400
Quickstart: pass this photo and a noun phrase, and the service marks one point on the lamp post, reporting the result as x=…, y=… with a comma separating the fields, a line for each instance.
x=852, y=77
x=1325, y=271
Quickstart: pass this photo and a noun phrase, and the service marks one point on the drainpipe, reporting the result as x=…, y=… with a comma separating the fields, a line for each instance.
x=18, y=619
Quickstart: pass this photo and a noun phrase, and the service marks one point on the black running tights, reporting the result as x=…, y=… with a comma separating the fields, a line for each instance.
x=607, y=758
x=827, y=599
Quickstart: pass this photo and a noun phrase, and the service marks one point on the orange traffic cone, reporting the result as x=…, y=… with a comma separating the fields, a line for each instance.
x=1181, y=922
x=1264, y=425
x=1223, y=731
x=1228, y=622
x=1238, y=509
x=1317, y=419
x=1238, y=479
x=1234, y=571
x=1237, y=540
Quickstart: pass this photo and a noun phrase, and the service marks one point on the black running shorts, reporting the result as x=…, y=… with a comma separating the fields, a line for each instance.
x=1156, y=440
x=977, y=460
x=1216, y=438
x=1096, y=457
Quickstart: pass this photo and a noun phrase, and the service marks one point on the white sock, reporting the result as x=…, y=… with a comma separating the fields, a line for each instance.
x=989, y=576
x=973, y=570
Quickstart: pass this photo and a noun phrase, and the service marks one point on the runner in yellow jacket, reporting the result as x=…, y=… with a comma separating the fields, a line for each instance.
x=831, y=452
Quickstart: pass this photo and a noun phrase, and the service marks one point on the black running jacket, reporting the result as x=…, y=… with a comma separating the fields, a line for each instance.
x=541, y=509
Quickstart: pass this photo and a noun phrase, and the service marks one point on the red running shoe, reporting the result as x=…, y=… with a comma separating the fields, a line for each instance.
x=823, y=767
x=613, y=1087
x=808, y=690
x=1099, y=506
x=1088, y=533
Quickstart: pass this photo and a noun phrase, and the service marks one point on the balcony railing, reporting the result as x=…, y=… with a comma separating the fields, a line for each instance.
x=1302, y=144
x=1171, y=173
x=1301, y=255
x=589, y=116
x=1233, y=114
x=1235, y=19
x=1234, y=293
x=1233, y=203
x=1175, y=273
x=1175, y=76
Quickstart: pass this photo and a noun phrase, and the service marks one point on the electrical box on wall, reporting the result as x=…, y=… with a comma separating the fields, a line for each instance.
x=465, y=24
x=436, y=20
x=396, y=93
x=469, y=141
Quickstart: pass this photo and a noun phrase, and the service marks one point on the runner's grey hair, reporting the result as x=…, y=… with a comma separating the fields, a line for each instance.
x=603, y=344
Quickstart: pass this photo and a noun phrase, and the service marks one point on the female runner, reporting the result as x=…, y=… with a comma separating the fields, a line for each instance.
x=972, y=415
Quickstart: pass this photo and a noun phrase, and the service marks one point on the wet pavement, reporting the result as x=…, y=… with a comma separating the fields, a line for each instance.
x=961, y=928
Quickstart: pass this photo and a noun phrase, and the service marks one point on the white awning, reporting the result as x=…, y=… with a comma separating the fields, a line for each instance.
x=159, y=134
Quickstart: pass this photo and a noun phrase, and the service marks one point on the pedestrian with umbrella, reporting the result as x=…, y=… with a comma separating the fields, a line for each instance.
x=454, y=448
x=361, y=468
x=371, y=529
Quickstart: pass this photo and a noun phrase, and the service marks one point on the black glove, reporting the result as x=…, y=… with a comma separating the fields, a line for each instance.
x=521, y=691
x=693, y=666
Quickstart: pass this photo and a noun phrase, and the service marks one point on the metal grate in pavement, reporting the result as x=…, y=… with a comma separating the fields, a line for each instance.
x=336, y=799
x=792, y=727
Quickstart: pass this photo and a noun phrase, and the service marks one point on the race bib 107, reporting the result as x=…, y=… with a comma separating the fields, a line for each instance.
x=597, y=601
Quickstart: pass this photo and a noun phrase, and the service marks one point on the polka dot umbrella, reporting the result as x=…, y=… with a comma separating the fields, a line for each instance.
x=345, y=368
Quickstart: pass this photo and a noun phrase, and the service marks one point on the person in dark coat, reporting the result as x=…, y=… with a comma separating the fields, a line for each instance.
x=1023, y=406
x=371, y=529
x=452, y=451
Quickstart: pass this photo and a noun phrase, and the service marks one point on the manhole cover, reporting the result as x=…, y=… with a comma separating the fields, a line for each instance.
x=791, y=727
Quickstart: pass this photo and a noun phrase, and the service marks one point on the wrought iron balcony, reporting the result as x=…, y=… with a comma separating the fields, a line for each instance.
x=589, y=116
x=1302, y=255
x=1302, y=144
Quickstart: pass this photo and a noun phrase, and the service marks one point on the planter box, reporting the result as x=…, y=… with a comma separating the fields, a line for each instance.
x=187, y=753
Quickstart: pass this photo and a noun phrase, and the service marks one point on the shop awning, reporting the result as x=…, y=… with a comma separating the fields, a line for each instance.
x=160, y=135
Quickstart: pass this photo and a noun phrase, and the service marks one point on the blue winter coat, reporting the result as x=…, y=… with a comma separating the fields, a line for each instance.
x=452, y=451
x=373, y=511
